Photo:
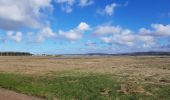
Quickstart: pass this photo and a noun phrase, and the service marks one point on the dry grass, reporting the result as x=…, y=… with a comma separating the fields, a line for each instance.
x=147, y=68
x=138, y=77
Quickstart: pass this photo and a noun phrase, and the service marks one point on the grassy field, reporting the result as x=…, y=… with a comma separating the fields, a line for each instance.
x=88, y=78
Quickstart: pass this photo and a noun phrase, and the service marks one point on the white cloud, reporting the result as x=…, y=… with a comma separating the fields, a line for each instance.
x=71, y=35
x=17, y=37
x=83, y=26
x=148, y=40
x=160, y=29
x=46, y=32
x=84, y=3
x=76, y=33
x=145, y=31
x=133, y=39
x=107, y=39
x=22, y=13
x=41, y=35
x=157, y=30
x=90, y=43
x=66, y=5
x=124, y=39
x=107, y=29
x=118, y=35
x=108, y=10
x=70, y=2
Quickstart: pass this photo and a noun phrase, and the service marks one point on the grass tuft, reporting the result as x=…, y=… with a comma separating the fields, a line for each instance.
x=76, y=86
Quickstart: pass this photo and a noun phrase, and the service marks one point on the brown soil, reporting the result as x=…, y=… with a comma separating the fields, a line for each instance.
x=10, y=95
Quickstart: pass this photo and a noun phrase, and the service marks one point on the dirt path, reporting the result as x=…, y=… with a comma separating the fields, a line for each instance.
x=11, y=95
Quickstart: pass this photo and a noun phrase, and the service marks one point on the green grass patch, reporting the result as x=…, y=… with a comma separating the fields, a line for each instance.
x=159, y=92
x=72, y=85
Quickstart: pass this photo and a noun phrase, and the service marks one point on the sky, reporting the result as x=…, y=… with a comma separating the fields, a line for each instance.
x=84, y=26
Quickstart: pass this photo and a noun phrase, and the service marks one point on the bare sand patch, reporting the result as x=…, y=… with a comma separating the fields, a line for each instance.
x=11, y=95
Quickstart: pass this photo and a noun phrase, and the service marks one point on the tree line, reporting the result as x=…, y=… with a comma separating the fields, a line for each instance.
x=15, y=54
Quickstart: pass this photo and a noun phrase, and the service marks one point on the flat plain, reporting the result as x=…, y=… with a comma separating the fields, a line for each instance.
x=88, y=78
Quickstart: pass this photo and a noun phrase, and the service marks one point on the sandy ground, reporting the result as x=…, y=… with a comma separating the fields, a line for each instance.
x=10, y=95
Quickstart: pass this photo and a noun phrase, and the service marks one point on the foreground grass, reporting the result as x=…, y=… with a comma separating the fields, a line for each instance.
x=78, y=86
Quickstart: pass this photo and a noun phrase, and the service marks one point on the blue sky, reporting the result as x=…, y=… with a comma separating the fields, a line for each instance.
x=84, y=26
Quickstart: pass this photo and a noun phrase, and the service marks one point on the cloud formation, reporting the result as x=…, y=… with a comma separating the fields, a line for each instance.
x=107, y=29
x=15, y=14
x=17, y=37
x=108, y=10
x=118, y=35
x=157, y=29
x=46, y=32
x=76, y=33
x=90, y=43
x=84, y=3
x=66, y=5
